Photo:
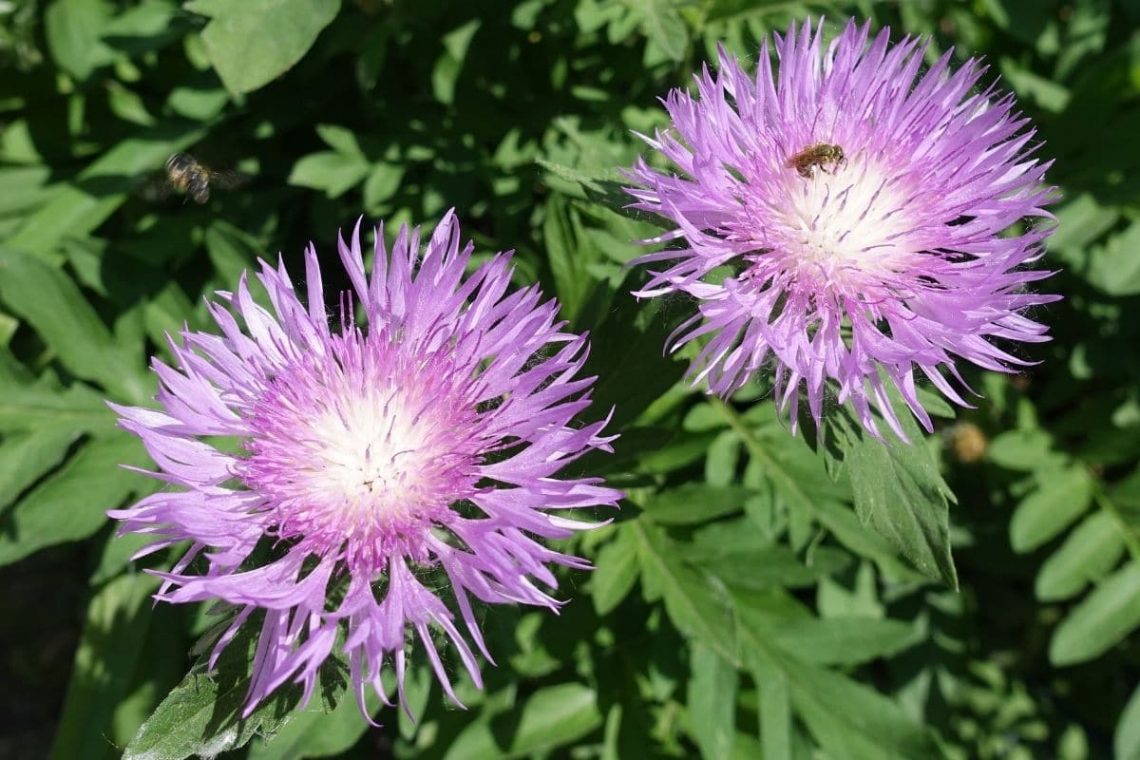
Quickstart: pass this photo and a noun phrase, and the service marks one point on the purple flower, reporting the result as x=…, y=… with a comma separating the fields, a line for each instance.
x=862, y=218
x=375, y=467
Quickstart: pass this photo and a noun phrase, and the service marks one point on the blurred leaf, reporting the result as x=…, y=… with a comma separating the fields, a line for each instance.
x=73, y=29
x=1087, y=554
x=253, y=42
x=615, y=570
x=552, y=717
x=26, y=456
x=1115, y=266
x=1105, y=617
x=1062, y=496
x=711, y=702
x=1127, y=740
x=694, y=503
x=843, y=640
x=663, y=26
x=335, y=173
x=85, y=203
x=450, y=64
x=314, y=733
x=53, y=305
x=72, y=502
x=113, y=635
x=32, y=407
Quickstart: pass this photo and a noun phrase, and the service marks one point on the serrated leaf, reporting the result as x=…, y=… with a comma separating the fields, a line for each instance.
x=901, y=495
x=693, y=605
x=848, y=719
x=200, y=716
x=568, y=255
x=1104, y=618
x=1090, y=551
x=253, y=42
x=1061, y=497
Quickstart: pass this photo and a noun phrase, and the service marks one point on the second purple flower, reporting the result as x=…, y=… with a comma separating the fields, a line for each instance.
x=862, y=218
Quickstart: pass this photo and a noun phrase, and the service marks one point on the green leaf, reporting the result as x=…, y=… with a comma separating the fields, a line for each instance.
x=848, y=719
x=1105, y=617
x=901, y=495
x=25, y=457
x=695, y=503
x=775, y=710
x=1127, y=739
x=73, y=29
x=449, y=66
x=335, y=173
x=72, y=503
x=231, y=251
x=253, y=42
x=711, y=702
x=55, y=307
x=663, y=26
x=694, y=606
x=24, y=408
x=569, y=256
x=200, y=716
x=552, y=717
x=1115, y=267
x=1061, y=497
x=118, y=619
x=315, y=733
x=83, y=204
x=1089, y=552
x=1023, y=450
x=843, y=640
x=615, y=570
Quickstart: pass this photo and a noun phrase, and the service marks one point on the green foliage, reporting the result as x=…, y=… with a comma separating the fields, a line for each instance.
x=758, y=594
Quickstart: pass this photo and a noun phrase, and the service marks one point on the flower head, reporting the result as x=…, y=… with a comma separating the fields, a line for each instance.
x=862, y=216
x=375, y=465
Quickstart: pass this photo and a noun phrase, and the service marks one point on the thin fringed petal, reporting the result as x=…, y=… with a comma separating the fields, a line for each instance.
x=880, y=221
x=425, y=443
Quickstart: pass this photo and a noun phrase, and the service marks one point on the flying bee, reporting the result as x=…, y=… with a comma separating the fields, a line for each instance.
x=821, y=155
x=187, y=174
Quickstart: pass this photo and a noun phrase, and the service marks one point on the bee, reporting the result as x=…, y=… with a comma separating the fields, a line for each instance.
x=188, y=175
x=821, y=155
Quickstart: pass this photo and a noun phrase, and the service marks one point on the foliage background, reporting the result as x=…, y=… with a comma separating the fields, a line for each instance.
x=755, y=597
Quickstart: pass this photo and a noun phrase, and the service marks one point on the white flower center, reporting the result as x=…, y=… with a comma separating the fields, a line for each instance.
x=365, y=448
x=845, y=219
